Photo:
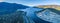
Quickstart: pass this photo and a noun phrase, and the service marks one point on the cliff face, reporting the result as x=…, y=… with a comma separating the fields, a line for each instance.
x=16, y=17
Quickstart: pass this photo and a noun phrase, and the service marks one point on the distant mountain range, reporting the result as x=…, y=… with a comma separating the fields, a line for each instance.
x=10, y=7
x=57, y=7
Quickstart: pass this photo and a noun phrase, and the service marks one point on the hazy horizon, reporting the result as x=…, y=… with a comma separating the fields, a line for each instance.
x=33, y=2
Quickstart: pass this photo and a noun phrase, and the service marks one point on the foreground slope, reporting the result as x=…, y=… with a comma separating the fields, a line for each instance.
x=50, y=14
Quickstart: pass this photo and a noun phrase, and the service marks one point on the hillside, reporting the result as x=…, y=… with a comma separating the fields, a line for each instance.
x=10, y=7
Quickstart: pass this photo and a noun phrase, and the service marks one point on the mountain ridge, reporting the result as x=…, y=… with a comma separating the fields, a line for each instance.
x=10, y=7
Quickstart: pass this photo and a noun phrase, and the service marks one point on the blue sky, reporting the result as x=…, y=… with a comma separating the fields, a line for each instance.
x=34, y=2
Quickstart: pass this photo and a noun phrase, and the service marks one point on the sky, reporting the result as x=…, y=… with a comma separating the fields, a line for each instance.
x=33, y=2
